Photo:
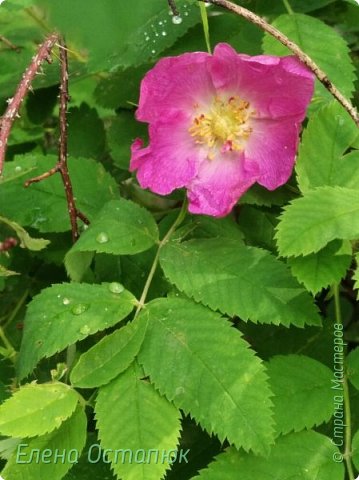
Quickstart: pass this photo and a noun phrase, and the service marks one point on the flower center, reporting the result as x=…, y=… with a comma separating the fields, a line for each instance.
x=226, y=125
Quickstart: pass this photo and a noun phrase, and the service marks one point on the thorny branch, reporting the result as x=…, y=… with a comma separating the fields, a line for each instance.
x=12, y=112
x=321, y=76
x=61, y=165
x=173, y=7
x=15, y=103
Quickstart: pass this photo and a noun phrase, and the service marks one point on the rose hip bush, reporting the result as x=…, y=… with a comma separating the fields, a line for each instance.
x=178, y=241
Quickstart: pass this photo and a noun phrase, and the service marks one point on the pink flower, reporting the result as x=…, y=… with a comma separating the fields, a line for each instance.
x=219, y=123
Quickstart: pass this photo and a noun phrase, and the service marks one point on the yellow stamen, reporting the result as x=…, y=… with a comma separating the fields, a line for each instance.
x=226, y=125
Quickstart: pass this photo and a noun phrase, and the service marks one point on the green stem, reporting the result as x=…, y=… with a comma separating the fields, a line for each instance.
x=347, y=411
x=10, y=350
x=205, y=24
x=288, y=7
x=177, y=222
x=15, y=310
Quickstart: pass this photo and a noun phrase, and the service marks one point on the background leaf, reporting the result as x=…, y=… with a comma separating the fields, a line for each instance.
x=353, y=367
x=302, y=397
x=37, y=409
x=73, y=311
x=321, y=160
x=309, y=223
x=324, y=268
x=225, y=276
x=46, y=208
x=297, y=456
x=147, y=421
x=71, y=435
x=224, y=387
x=109, y=357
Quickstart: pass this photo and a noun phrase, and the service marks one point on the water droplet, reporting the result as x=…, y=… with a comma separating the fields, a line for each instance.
x=18, y=168
x=79, y=308
x=102, y=238
x=176, y=19
x=186, y=14
x=85, y=330
x=156, y=34
x=66, y=301
x=116, y=287
x=164, y=33
x=179, y=391
x=160, y=23
x=153, y=52
x=147, y=39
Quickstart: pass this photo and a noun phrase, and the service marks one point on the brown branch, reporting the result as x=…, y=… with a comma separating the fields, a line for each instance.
x=61, y=165
x=173, y=7
x=303, y=57
x=9, y=44
x=15, y=103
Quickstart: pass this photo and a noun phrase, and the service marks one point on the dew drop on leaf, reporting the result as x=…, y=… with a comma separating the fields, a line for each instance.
x=176, y=19
x=116, y=287
x=79, y=308
x=85, y=330
x=102, y=238
x=66, y=301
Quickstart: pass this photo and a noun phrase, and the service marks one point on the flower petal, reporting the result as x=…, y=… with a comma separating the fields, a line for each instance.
x=272, y=148
x=175, y=84
x=219, y=184
x=169, y=162
x=275, y=86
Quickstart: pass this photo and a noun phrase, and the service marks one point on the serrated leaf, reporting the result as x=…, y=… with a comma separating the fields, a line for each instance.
x=86, y=132
x=109, y=357
x=46, y=208
x=329, y=133
x=309, y=223
x=353, y=367
x=311, y=34
x=199, y=362
x=37, y=409
x=121, y=227
x=302, y=397
x=297, y=456
x=225, y=275
x=355, y=449
x=34, y=244
x=324, y=268
x=157, y=34
x=147, y=422
x=70, y=436
x=63, y=314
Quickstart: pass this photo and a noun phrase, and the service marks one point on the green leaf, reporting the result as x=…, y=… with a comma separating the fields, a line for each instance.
x=33, y=244
x=353, y=367
x=225, y=275
x=311, y=34
x=147, y=422
x=324, y=268
x=302, y=397
x=4, y=272
x=109, y=357
x=37, y=409
x=355, y=449
x=122, y=227
x=123, y=130
x=199, y=362
x=70, y=436
x=309, y=223
x=46, y=207
x=320, y=162
x=157, y=34
x=86, y=133
x=297, y=456
x=63, y=314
